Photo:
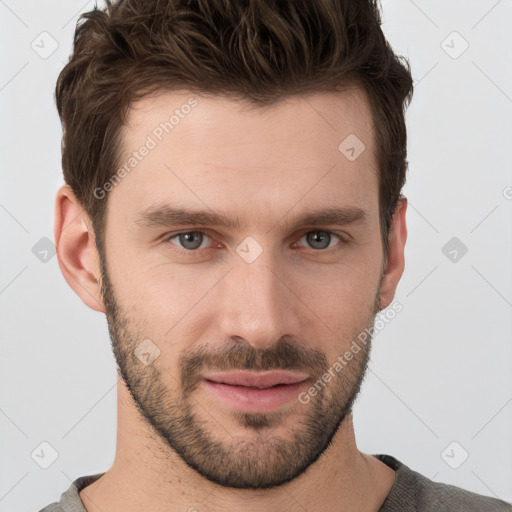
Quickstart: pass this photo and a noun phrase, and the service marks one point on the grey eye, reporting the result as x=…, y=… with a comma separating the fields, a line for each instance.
x=190, y=240
x=319, y=239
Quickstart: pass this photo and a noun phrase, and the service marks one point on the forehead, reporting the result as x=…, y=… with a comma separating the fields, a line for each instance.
x=221, y=152
x=185, y=114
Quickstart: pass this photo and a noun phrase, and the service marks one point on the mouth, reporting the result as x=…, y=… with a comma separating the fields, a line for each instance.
x=259, y=380
x=255, y=391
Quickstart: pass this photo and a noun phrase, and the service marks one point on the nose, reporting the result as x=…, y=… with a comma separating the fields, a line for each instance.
x=258, y=303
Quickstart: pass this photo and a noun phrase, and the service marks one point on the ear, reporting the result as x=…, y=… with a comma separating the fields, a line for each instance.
x=77, y=255
x=395, y=264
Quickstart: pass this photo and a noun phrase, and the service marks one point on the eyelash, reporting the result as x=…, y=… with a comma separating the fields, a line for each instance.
x=192, y=253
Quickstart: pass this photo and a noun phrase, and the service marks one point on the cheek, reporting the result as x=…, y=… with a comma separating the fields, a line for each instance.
x=175, y=303
x=150, y=282
x=169, y=304
x=341, y=289
x=343, y=304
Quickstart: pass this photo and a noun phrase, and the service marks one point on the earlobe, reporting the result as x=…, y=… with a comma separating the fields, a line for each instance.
x=396, y=259
x=76, y=249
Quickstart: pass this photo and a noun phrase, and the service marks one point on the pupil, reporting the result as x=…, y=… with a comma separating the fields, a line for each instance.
x=318, y=237
x=187, y=240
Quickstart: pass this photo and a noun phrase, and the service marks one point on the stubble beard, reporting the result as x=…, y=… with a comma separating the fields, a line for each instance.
x=260, y=459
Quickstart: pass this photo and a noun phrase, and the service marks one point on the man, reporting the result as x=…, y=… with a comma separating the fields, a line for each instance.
x=232, y=204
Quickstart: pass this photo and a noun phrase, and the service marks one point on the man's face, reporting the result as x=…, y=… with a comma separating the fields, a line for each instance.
x=187, y=302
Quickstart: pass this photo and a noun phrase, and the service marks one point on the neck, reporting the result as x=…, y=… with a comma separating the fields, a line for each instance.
x=148, y=475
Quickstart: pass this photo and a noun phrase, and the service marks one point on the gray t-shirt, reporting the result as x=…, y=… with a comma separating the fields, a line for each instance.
x=411, y=492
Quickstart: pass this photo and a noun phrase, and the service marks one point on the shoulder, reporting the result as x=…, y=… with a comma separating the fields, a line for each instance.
x=70, y=499
x=53, y=507
x=413, y=491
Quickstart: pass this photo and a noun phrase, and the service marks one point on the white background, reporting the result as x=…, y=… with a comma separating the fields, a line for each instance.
x=440, y=371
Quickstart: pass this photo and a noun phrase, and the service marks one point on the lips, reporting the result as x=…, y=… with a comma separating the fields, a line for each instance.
x=261, y=380
x=255, y=392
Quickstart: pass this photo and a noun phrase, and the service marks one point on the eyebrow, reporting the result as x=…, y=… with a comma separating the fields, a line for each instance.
x=167, y=215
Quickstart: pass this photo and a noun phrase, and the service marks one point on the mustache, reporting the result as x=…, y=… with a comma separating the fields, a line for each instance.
x=285, y=354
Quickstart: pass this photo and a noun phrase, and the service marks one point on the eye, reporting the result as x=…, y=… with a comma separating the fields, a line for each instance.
x=321, y=239
x=190, y=240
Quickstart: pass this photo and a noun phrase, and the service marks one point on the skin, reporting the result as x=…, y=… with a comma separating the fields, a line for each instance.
x=262, y=166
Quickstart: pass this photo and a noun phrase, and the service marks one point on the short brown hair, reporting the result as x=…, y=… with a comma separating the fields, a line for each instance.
x=256, y=50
